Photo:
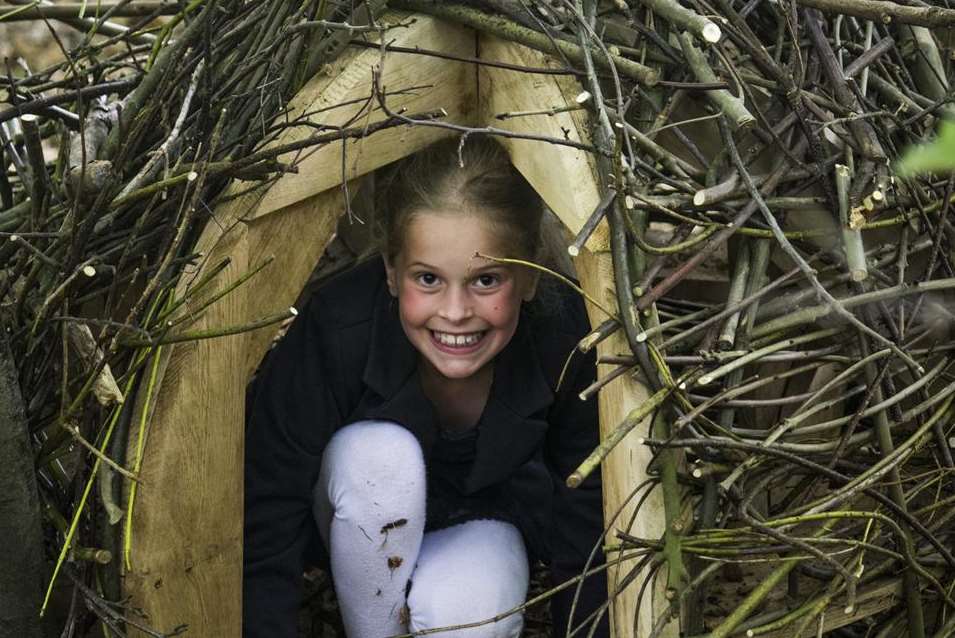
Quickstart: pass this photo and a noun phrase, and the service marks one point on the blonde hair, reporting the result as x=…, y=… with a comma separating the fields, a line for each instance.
x=474, y=179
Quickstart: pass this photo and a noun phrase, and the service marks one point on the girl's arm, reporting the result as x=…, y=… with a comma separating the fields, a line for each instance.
x=291, y=416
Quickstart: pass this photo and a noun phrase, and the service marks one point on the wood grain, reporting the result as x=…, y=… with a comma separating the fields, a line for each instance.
x=566, y=179
x=555, y=171
x=186, y=559
x=414, y=83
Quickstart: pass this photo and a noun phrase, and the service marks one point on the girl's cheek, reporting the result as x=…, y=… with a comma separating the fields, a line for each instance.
x=412, y=303
x=506, y=307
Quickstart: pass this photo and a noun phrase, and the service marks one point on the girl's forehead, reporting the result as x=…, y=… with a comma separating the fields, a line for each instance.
x=447, y=231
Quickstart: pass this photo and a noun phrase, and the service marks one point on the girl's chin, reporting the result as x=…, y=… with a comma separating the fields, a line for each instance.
x=456, y=370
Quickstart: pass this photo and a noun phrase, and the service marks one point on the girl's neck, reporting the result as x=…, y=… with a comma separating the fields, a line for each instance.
x=458, y=403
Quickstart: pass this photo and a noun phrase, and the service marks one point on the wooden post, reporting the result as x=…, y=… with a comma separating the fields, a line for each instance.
x=565, y=178
x=186, y=558
x=626, y=466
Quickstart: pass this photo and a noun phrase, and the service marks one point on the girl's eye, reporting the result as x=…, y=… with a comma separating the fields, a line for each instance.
x=427, y=279
x=487, y=280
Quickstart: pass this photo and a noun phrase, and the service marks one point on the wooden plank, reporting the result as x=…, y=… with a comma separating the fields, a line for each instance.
x=186, y=562
x=415, y=83
x=870, y=601
x=505, y=91
x=296, y=237
x=626, y=466
x=186, y=554
x=565, y=179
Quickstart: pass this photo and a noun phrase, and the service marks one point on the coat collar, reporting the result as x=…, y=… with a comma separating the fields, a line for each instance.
x=391, y=357
x=511, y=426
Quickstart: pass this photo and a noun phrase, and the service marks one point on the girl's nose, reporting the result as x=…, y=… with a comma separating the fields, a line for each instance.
x=456, y=306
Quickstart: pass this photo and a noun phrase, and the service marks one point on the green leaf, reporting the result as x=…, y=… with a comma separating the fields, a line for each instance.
x=934, y=157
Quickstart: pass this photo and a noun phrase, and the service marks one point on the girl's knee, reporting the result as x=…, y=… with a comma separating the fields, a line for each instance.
x=372, y=452
x=372, y=462
x=468, y=574
x=373, y=446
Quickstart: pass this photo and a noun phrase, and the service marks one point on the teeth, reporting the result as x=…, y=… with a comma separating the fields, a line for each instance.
x=458, y=341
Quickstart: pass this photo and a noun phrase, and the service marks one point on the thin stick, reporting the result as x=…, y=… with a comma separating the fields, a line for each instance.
x=591, y=224
x=632, y=420
x=552, y=273
x=796, y=257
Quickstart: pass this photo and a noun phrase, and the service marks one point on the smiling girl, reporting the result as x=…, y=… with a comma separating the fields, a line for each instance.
x=411, y=422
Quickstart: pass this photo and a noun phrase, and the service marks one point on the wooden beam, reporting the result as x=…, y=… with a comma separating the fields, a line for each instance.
x=874, y=599
x=186, y=556
x=186, y=551
x=311, y=223
x=566, y=180
x=506, y=91
x=413, y=83
x=626, y=466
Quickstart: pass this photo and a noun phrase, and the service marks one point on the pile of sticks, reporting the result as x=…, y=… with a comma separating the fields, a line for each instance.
x=801, y=409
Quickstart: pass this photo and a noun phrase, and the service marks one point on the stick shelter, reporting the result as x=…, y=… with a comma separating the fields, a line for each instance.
x=186, y=563
x=757, y=197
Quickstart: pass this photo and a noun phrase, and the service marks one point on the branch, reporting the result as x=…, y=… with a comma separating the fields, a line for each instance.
x=40, y=105
x=885, y=11
x=514, y=32
x=80, y=10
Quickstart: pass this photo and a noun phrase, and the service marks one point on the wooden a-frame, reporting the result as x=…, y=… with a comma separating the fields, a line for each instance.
x=186, y=552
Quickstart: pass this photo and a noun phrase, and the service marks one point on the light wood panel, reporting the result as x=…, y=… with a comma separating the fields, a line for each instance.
x=313, y=220
x=413, y=83
x=626, y=466
x=543, y=164
x=187, y=528
x=565, y=179
x=186, y=560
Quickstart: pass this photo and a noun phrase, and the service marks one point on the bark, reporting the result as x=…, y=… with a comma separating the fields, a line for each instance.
x=21, y=560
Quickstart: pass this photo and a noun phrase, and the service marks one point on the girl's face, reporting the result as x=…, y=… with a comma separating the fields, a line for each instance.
x=457, y=310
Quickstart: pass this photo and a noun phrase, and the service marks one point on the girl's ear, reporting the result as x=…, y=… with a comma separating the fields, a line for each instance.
x=530, y=288
x=391, y=277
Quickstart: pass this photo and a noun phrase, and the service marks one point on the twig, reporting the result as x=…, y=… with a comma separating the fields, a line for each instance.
x=833, y=303
x=508, y=30
x=78, y=10
x=884, y=11
x=731, y=106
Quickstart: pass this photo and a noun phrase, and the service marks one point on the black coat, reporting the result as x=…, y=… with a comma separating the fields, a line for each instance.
x=345, y=359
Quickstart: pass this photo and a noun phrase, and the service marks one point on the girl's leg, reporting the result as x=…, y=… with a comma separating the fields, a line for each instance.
x=468, y=573
x=370, y=511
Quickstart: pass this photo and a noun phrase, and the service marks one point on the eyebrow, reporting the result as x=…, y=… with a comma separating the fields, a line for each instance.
x=421, y=264
x=490, y=266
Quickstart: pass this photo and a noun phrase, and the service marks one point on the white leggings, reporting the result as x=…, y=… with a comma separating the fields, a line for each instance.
x=390, y=577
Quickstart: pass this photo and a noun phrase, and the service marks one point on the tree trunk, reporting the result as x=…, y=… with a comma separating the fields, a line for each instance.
x=21, y=556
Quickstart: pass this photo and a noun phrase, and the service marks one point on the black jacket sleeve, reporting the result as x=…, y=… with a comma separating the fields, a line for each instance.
x=578, y=512
x=291, y=415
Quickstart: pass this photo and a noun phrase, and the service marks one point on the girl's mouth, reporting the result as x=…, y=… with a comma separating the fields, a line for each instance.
x=457, y=343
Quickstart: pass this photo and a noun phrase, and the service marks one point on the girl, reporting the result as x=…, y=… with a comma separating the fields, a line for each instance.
x=410, y=420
